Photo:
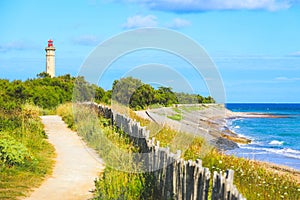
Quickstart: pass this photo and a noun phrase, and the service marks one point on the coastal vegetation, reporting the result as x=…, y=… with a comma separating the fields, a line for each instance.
x=25, y=155
x=136, y=95
x=255, y=180
x=48, y=93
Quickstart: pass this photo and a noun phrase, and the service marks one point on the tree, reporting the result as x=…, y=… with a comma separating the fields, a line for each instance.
x=142, y=97
x=43, y=75
x=165, y=96
x=99, y=93
x=123, y=89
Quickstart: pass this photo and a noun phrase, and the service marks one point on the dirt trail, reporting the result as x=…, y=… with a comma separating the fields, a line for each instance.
x=76, y=165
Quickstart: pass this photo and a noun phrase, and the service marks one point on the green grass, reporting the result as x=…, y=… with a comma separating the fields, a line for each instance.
x=24, y=129
x=154, y=106
x=253, y=179
x=177, y=110
x=191, y=108
x=176, y=117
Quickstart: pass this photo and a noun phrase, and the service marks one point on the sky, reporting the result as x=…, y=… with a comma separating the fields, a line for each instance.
x=254, y=44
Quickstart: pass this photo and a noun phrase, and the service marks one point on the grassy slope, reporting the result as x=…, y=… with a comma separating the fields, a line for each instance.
x=26, y=128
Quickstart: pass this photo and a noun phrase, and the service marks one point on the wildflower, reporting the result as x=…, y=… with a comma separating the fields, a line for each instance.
x=220, y=161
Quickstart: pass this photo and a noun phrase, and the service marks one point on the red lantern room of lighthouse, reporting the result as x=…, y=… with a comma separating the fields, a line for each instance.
x=50, y=43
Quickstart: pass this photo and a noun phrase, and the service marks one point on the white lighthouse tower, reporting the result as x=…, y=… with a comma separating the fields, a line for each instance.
x=50, y=58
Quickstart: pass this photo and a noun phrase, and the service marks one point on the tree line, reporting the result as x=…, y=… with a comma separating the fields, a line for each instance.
x=137, y=95
x=48, y=93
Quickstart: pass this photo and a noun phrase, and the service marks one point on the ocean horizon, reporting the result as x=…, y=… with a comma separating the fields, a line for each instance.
x=274, y=140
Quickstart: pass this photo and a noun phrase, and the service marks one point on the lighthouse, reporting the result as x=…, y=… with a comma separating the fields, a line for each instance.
x=50, y=58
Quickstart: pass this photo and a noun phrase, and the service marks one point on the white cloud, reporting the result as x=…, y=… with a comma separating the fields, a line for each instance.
x=296, y=54
x=283, y=78
x=207, y=5
x=139, y=21
x=15, y=45
x=86, y=40
x=178, y=23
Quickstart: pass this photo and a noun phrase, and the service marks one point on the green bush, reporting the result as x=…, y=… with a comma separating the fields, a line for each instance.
x=13, y=152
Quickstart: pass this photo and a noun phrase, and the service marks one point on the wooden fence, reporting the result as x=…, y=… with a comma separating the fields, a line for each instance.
x=175, y=177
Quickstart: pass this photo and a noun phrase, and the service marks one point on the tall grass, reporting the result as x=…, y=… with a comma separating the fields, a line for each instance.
x=30, y=155
x=255, y=180
x=119, y=180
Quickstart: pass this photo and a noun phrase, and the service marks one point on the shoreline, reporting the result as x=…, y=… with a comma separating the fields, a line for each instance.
x=230, y=115
x=209, y=122
x=237, y=115
x=278, y=168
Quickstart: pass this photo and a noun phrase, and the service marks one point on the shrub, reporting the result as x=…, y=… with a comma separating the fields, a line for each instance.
x=13, y=152
x=30, y=111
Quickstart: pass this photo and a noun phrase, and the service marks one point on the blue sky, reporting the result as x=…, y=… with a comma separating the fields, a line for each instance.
x=254, y=44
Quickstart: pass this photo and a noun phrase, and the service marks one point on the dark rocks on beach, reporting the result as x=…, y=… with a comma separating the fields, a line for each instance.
x=223, y=144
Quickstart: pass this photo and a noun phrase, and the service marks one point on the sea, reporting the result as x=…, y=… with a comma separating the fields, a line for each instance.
x=275, y=140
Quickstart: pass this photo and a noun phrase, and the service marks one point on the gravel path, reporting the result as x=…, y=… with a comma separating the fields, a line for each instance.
x=76, y=165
